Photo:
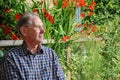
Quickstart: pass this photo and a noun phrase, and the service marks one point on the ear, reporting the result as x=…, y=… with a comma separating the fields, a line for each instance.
x=23, y=31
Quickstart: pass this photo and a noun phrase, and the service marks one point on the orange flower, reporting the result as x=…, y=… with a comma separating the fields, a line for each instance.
x=92, y=5
x=85, y=25
x=88, y=27
x=19, y=36
x=14, y=37
x=81, y=31
x=82, y=3
x=17, y=16
x=44, y=10
x=55, y=2
x=79, y=25
x=65, y=38
x=94, y=29
x=88, y=32
x=91, y=24
x=76, y=3
x=82, y=15
x=90, y=13
x=6, y=30
x=65, y=3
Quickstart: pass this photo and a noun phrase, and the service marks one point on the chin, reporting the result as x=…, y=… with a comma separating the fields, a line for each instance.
x=40, y=41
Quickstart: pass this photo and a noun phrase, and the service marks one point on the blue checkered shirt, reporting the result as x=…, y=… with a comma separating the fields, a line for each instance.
x=20, y=64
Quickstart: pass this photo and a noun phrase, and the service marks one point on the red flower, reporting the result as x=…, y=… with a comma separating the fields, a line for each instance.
x=17, y=16
x=51, y=19
x=65, y=38
x=94, y=29
x=82, y=15
x=7, y=10
x=6, y=30
x=35, y=10
x=2, y=25
x=48, y=16
x=14, y=37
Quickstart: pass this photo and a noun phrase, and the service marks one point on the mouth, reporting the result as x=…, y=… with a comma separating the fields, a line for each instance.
x=41, y=36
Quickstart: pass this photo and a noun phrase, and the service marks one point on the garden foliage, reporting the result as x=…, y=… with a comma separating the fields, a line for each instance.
x=90, y=60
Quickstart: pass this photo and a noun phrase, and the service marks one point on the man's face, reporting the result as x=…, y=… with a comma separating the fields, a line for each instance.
x=35, y=32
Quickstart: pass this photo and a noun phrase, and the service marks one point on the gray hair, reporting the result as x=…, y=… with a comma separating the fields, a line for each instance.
x=25, y=20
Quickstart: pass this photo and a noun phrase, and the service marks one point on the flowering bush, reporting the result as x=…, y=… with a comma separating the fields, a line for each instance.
x=57, y=17
x=90, y=60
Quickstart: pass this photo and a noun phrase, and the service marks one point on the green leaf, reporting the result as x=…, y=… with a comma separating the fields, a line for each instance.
x=61, y=31
x=1, y=53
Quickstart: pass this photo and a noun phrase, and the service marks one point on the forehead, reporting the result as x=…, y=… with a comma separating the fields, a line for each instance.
x=37, y=21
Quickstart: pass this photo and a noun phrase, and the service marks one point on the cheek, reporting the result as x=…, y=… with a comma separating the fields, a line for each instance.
x=36, y=34
x=31, y=34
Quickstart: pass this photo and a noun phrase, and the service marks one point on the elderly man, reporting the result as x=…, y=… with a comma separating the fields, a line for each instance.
x=31, y=60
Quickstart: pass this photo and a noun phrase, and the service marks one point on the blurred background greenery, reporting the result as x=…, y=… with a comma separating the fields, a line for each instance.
x=90, y=59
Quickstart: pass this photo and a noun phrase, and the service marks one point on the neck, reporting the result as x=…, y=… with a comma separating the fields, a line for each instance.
x=32, y=47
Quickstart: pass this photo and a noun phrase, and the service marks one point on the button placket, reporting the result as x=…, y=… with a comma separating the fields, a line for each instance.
x=36, y=67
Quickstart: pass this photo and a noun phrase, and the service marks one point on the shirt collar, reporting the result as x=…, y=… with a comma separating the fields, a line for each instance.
x=27, y=52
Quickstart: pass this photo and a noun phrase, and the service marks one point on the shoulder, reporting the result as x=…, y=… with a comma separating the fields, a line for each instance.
x=12, y=52
x=10, y=56
x=46, y=49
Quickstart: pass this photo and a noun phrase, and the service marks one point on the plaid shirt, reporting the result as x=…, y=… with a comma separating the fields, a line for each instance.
x=20, y=64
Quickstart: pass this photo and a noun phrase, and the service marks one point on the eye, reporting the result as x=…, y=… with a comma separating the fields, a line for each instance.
x=40, y=27
x=37, y=26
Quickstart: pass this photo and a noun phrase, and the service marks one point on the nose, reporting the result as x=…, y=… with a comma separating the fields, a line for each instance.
x=42, y=30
